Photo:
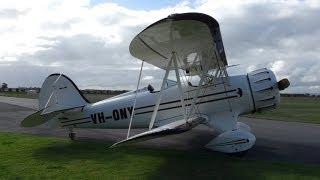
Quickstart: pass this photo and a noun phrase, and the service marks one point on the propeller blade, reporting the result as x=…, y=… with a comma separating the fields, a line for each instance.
x=283, y=84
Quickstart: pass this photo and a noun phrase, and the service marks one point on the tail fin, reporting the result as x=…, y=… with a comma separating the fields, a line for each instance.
x=58, y=92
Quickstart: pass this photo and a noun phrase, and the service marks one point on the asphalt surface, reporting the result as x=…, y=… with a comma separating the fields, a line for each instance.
x=276, y=140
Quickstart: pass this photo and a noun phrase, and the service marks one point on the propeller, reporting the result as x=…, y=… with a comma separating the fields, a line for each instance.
x=283, y=84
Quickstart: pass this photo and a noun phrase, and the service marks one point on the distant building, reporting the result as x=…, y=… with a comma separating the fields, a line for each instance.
x=32, y=91
x=298, y=95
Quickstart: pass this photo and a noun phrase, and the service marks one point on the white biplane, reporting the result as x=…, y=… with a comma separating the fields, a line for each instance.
x=189, y=45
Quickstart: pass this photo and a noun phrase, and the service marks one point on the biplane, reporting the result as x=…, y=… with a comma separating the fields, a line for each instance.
x=190, y=47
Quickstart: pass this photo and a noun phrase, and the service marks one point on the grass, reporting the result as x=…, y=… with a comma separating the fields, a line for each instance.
x=32, y=157
x=298, y=109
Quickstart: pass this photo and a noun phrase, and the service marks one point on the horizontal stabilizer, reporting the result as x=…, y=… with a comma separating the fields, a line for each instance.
x=58, y=94
x=168, y=129
x=44, y=115
x=37, y=119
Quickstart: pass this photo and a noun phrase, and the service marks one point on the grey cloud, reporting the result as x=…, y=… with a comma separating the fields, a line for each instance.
x=64, y=25
x=27, y=74
x=260, y=37
x=11, y=13
x=258, y=28
x=24, y=74
x=111, y=20
x=91, y=61
x=83, y=49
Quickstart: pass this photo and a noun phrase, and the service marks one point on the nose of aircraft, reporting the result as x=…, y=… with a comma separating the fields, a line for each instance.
x=283, y=84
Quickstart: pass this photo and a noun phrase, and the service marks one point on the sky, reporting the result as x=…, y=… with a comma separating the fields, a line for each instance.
x=89, y=40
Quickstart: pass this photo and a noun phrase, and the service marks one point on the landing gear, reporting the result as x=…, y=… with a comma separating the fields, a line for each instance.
x=72, y=135
x=235, y=142
x=238, y=154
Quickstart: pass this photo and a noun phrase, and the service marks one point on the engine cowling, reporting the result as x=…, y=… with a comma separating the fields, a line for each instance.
x=264, y=89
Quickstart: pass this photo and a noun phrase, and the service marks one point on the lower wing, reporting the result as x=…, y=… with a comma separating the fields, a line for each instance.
x=175, y=127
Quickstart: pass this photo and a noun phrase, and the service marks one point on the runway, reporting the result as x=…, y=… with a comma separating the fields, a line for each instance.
x=276, y=140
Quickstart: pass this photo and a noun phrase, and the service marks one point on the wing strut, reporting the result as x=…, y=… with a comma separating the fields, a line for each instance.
x=135, y=100
x=195, y=97
x=179, y=85
x=155, y=111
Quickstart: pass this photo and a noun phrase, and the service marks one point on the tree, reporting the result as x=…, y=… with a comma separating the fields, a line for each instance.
x=4, y=86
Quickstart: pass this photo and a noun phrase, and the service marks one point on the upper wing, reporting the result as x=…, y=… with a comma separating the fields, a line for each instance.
x=194, y=37
x=175, y=127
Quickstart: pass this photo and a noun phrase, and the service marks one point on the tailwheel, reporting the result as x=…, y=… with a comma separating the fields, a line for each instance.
x=72, y=136
x=238, y=154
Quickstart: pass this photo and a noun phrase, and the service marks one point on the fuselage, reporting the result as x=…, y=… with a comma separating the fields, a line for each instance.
x=235, y=95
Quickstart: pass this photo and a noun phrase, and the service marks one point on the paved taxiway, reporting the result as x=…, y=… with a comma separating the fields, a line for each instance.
x=276, y=140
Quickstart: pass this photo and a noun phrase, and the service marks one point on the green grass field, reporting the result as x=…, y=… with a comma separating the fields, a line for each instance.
x=299, y=109
x=32, y=157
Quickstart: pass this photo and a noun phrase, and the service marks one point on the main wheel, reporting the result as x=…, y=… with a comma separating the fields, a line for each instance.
x=238, y=154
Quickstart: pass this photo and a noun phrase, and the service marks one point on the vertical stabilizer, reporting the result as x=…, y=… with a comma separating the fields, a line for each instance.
x=59, y=92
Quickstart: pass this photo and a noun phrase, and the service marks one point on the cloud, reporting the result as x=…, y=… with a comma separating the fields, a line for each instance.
x=90, y=42
x=280, y=35
x=11, y=13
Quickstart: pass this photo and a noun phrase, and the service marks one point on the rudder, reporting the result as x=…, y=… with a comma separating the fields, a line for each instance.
x=59, y=92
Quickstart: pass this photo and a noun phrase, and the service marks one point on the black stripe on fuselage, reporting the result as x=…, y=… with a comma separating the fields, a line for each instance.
x=228, y=97
x=107, y=117
x=170, y=102
x=188, y=99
